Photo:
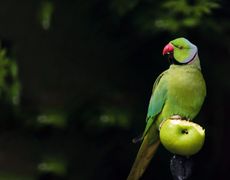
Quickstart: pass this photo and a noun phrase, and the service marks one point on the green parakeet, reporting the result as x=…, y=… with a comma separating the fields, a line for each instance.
x=180, y=91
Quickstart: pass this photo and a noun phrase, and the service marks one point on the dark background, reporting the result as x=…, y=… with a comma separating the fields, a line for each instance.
x=86, y=69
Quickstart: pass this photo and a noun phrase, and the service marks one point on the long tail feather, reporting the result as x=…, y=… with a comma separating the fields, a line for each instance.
x=145, y=154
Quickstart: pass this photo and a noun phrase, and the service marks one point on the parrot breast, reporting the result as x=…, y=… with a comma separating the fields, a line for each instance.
x=185, y=93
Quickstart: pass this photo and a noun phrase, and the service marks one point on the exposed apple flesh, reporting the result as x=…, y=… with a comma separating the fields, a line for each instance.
x=182, y=137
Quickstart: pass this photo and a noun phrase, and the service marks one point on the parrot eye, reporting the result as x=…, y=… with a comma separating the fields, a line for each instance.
x=178, y=46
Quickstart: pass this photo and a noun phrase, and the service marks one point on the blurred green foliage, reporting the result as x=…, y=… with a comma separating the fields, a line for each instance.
x=183, y=14
x=56, y=119
x=108, y=117
x=168, y=15
x=53, y=165
x=9, y=83
x=45, y=14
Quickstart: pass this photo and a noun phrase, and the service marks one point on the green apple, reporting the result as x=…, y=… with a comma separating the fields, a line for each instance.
x=182, y=137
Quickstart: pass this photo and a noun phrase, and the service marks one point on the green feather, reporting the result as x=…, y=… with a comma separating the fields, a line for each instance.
x=158, y=97
x=157, y=101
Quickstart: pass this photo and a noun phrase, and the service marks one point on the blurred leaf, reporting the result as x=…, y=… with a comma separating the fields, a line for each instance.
x=4, y=61
x=14, y=93
x=53, y=118
x=45, y=14
x=111, y=117
x=53, y=165
x=10, y=87
x=14, y=69
x=14, y=89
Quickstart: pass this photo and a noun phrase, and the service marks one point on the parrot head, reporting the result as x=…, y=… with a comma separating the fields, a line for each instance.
x=181, y=51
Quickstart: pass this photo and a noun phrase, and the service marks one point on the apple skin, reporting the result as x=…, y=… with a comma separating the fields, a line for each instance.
x=182, y=137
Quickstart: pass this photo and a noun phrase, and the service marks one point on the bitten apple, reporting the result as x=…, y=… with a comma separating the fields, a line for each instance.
x=182, y=137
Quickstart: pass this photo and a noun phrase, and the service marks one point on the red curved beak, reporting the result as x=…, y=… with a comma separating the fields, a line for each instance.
x=168, y=49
